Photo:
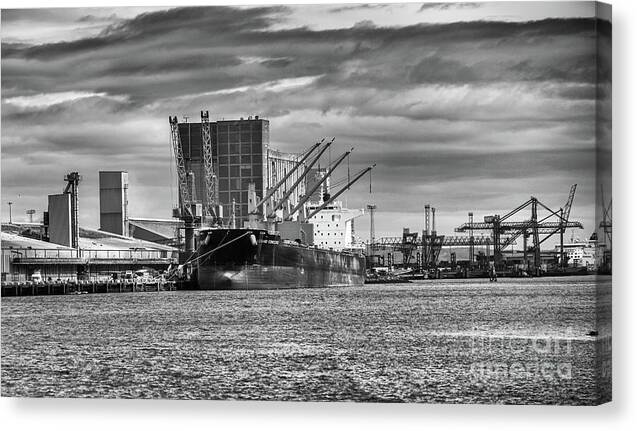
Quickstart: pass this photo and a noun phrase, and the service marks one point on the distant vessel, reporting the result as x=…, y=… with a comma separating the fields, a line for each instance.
x=257, y=259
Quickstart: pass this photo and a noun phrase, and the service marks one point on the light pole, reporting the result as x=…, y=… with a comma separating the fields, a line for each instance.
x=10, y=219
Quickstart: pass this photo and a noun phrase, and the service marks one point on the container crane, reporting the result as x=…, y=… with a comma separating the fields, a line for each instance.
x=535, y=227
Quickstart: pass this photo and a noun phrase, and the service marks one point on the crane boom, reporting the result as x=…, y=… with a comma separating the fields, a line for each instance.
x=569, y=202
x=184, y=189
x=341, y=191
x=300, y=178
x=309, y=193
x=209, y=172
x=284, y=179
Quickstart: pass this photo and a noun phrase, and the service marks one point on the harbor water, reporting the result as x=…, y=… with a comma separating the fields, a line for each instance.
x=523, y=341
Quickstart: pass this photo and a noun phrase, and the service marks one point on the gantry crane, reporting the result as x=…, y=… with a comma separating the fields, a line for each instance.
x=410, y=242
x=533, y=227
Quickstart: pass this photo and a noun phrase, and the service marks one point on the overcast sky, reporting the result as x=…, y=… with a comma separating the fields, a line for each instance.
x=466, y=106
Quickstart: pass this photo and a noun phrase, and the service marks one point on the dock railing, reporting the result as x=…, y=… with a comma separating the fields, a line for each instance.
x=34, y=254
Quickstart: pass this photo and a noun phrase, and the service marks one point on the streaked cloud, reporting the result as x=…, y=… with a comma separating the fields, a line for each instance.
x=45, y=100
x=464, y=113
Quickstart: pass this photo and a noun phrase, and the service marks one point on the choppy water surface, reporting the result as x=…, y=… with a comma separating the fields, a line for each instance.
x=515, y=341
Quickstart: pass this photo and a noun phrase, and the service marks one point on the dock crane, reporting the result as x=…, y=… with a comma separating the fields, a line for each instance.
x=535, y=225
x=340, y=192
x=273, y=190
x=188, y=210
x=308, y=193
x=210, y=177
x=301, y=177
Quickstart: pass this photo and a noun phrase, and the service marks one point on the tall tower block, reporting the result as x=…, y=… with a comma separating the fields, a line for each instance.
x=114, y=202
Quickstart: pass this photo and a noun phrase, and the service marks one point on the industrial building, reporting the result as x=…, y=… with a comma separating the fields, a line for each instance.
x=58, y=249
x=241, y=154
x=114, y=202
x=99, y=256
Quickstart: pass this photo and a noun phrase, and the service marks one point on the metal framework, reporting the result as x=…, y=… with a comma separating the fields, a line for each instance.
x=185, y=194
x=285, y=177
x=308, y=193
x=340, y=192
x=301, y=177
x=372, y=231
x=209, y=170
x=533, y=227
x=607, y=219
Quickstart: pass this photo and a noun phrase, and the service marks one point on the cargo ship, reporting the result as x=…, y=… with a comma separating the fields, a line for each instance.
x=285, y=231
x=247, y=259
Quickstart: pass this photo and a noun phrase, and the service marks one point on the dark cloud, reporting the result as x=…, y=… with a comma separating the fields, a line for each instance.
x=277, y=62
x=448, y=5
x=438, y=70
x=97, y=19
x=180, y=47
x=508, y=108
x=358, y=7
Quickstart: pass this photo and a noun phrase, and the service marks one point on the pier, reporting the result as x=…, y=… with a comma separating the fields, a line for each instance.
x=30, y=288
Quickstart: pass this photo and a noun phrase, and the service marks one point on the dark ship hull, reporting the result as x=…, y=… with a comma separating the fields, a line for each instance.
x=247, y=259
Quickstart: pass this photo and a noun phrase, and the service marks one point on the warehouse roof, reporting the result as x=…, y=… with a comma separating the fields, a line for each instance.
x=90, y=239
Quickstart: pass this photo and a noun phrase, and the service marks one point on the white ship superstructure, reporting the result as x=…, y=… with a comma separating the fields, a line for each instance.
x=334, y=224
